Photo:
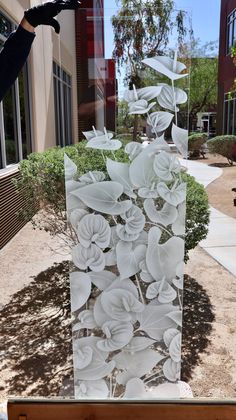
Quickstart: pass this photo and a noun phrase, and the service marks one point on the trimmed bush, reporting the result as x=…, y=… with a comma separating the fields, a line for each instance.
x=224, y=146
x=195, y=144
x=43, y=176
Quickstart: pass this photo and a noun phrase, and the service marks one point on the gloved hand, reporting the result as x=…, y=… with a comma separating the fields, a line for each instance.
x=44, y=14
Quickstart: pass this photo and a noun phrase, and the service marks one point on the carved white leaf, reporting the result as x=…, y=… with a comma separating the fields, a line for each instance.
x=80, y=285
x=117, y=333
x=103, y=279
x=133, y=149
x=124, y=236
x=129, y=258
x=92, y=177
x=97, y=368
x=135, y=220
x=94, y=228
x=140, y=107
x=76, y=216
x=167, y=66
x=119, y=172
x=169, y=335
x=103, y=197
x=135, y=388
x=178, y=226
x=149, y=93
x=121, y=304
x=173, y=196
x=145, y=275
x=175, y=348
x=160, y=121
x=166, y=216
x=171, y=370
x=104, y=142
x=86, y=319
x=141, y=168
x=165, y=165
x=169, y=97
x=135, y=365
x=70, y=168
x=148, y=192
x=139, y=344
x=73, y=202
x=162, y=290
x=91, y=389
x=89, y=135
x=91, y=257
x=100, y=315
x=164, y=391
x=84, y=357
x=154, y=320
x=162, y=259
x=177, y=317
x=124, y=284
x=180, y=139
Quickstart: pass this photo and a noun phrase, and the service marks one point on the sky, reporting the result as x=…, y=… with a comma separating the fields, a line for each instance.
x=205, y=18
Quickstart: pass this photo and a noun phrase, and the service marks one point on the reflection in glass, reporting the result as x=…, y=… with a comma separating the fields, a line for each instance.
x=11, y=140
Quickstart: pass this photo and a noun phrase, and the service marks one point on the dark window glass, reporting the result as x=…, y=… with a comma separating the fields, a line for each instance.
x=5, y=26
x=11, y=140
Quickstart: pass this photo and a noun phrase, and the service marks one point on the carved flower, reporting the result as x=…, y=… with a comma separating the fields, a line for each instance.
x=168, y=66
x=94, y=228
x=121, y=304
x=92, y=177
x=162, y=290
x=135, y=222
x=104, y=142
x=140, y=107
x=133, y=149
x=91, y=257
x=90, y=362
x=172, y=339
x=171, y=370
x=174, y=196
x=165, y=165
x=117, y=333
x=160, y=121
x=91, y=389
x=169, y=97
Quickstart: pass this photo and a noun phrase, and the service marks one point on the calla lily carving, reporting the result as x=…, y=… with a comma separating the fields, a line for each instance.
x=170, y=97
x=104, y=142
x=89, y=389
x=159, y=121
x=117, y=333
x=94, y=228
x=165, y=165
x=162, y=290
x=162, y=259
x=165, y=65
x=91, y=257
x=128, y=227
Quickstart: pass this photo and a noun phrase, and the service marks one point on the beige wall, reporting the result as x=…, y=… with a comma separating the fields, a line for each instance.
x=47, y=47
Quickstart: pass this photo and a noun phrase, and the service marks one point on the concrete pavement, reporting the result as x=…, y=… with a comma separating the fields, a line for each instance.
x=221, y=239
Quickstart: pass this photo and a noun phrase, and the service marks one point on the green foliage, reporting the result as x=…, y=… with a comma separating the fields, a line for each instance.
x=195, y=144
x=42, y=176
x=197, y=214
x=224, y=146
x=142, y=29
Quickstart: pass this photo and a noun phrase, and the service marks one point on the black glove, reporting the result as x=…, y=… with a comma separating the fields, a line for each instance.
x=44, y=14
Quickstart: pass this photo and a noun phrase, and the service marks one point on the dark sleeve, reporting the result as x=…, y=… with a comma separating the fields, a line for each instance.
x=13, y=56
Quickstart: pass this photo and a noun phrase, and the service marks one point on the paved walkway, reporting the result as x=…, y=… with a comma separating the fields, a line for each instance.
x=221, y=240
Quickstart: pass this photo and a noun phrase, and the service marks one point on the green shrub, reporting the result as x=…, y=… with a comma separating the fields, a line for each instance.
x=224, y=146
x=195, y=144
x=42, y=175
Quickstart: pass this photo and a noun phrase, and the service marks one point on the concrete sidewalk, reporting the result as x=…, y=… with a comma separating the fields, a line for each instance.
x=221, y=240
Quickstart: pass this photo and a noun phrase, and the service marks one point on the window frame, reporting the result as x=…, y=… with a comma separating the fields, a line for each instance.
x=230, y=24
x=229, y=100
x=4, y=167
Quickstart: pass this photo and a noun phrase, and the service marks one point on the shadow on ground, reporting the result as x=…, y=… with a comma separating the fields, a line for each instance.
x=220, y=165
x=197, y=325
x=36, y=348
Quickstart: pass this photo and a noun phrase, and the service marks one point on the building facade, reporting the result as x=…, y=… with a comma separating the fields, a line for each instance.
x=40, y=110
x=226, y=118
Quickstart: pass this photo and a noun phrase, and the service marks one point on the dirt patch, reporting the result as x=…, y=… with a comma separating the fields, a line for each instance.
x=220, y=191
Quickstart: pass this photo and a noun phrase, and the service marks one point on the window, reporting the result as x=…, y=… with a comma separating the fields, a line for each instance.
x=63, y=105
x=231, y=31
x=230, y=113
x=15, y=135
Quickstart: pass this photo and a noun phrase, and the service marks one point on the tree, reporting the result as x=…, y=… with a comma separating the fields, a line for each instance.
x=142, y=29
x=203, y=65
